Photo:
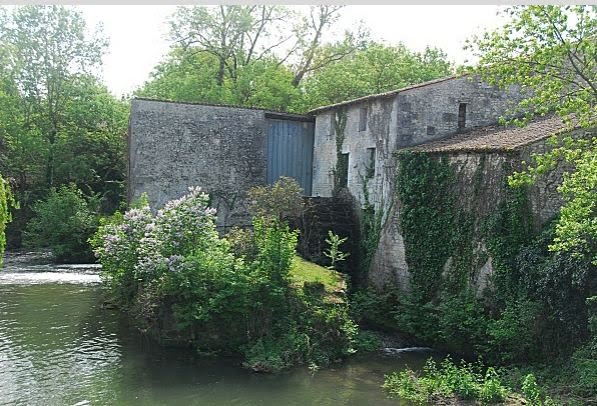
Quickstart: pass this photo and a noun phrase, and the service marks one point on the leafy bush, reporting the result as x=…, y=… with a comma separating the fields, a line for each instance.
x=64, y=222
x=6, y=202
x=282, y=200
x=180, y=280
x=367, y=341
x=465, y=382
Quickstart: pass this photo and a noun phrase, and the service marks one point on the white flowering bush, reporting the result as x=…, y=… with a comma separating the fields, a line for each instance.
x=178, y=278
x=139, y=246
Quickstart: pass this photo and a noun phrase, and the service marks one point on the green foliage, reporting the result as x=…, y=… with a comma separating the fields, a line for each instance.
x=465, y=382
x=371, y=225
x=367, y=341
x=341, y=167
x=550, y=53
x=530, y=390
x=272, y=57
x=334, y=253
x=368, y=306
x=59, y=124
x=576, y=230
x=179, y=279
x=6, y=202
x=432, y=223
x=64, y=222
x=280, y=201
x=375, y=69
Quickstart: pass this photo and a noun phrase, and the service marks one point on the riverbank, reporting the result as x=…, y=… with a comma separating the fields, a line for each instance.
x=59, y=346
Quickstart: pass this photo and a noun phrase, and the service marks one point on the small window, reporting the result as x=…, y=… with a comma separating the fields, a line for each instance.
x=363, y=119
x=461, y=116
x=430, y=130
x=370, y=169
x=332, y=123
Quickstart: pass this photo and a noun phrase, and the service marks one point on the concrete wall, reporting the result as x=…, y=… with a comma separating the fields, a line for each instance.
x=173, y=146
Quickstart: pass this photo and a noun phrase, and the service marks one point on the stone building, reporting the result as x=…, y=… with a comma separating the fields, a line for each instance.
x=349, y=146
x=225, y=150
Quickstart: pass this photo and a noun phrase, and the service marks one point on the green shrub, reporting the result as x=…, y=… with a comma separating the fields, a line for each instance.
x=64, y=222
x=369, y=307
x=512, y=336
x=367, y=341
x=492, y=390
x=6, y=202
x=464, y=382
x=180, y=280
x=281, y=201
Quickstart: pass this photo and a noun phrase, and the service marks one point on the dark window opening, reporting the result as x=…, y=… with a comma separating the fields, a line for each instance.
x=430, y=130
x=461, y=116
x=370, y=169
x=363, y=119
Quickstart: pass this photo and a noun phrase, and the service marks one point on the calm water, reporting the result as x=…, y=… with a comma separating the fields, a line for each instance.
x=59, y=347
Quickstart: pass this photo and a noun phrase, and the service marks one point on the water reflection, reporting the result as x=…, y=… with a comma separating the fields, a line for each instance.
x=58, y=347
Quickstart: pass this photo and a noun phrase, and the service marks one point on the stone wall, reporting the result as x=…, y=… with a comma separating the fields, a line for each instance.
x=480, y=184
x=409, y=117
x=174, y=145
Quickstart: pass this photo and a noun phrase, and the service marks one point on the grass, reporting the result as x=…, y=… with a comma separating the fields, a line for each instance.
x=304, y=271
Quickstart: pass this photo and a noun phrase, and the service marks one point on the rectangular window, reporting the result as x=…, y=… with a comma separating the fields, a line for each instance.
x=332, y=123
x=363, y=119
x=370, y=169
x=461, y=116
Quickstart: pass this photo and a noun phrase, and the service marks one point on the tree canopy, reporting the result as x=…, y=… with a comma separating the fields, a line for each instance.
x=58, y=124
x=550, y=53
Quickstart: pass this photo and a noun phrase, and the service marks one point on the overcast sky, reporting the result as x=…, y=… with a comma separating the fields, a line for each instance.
x=138, y=33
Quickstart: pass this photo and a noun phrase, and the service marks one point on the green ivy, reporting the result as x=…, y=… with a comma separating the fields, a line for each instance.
x=341, y=168
x=508, y=230
x=371, y=224
x=434, y=227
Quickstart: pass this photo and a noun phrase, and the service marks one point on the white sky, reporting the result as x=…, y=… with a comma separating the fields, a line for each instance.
x=138, y=33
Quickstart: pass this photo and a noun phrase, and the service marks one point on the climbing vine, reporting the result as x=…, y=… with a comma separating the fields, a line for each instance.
x=341, y=168
x=508, y=230
x=434, y=227
x=6, y=202
x=371, y=223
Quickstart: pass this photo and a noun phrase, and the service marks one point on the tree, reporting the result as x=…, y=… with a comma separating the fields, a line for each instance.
x=58, y=124
x=239, y=36
x=47, y=52
x=313, y=53
x=550, y=52
x=234, y=35
x=192, y=76
x=375, y=69
x=6, y=202
x=64, y=222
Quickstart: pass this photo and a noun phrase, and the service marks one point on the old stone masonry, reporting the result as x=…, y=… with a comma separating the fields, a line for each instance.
x=345, y=149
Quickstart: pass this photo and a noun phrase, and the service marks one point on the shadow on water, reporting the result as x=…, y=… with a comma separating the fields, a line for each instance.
x=59, y=347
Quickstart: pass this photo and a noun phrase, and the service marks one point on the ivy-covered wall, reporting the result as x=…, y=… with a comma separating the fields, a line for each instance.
x=437, y=234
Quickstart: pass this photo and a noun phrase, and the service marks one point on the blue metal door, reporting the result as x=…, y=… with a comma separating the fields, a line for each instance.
x=290, y=151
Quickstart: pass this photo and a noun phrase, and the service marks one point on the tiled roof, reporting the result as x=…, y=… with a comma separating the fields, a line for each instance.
x=496, y=138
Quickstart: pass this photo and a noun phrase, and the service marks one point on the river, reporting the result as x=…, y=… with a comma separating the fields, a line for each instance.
x=58, y=346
